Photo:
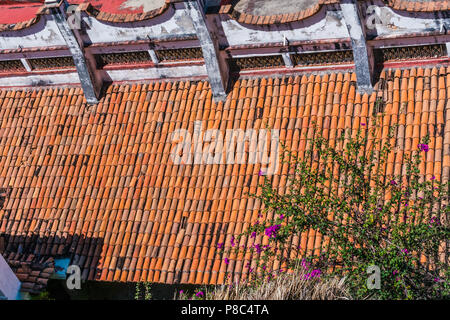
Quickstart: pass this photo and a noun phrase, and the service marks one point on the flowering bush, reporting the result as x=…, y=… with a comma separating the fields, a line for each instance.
x=340, y=190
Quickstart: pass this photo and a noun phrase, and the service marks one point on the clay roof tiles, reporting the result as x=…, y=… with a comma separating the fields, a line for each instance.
x=97, y=184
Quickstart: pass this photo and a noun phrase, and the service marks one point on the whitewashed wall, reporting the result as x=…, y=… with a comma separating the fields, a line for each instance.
x=9, y=284
x=157, y=73
x=384, y=21
x=324, y=25
x=45, y=33
x=171, y=23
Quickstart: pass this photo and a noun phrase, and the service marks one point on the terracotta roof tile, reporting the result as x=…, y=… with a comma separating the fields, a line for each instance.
x=419, y=6
x=99, y=186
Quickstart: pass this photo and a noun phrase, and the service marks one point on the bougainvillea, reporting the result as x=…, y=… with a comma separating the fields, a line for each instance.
x=340, y=190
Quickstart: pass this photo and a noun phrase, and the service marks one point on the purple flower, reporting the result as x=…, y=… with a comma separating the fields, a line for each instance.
x=227, y=261
x=393, y=183
x=433, y=178
x=436, y=279
x=423, y=147
x=253, y=235
x=281, y=216
x=181, y=291
x=220, y=245
x=250, y=270
x=405, y=251
x=363, y=124
x=305, y=264
x=316, y=273
x=261, y=173
x=258, y=248
x=394, y=272
x=232, y=241
x=200, y=294
x=271, y=232
x=313, y=274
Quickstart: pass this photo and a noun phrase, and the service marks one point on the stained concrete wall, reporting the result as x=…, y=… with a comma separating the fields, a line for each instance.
x=44, y=33
x=173, y=72
x=40, y=79
x=324, y=25
x=158, y=73
x=384, y=21
x=171, y=23
x=175, y=22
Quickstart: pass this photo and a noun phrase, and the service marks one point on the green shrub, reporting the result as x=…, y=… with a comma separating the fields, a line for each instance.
x=340, y=190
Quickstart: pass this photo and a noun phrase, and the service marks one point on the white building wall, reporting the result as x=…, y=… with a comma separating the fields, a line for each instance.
x=9, y=284
x=44, y=33
x=384, y=21
x=324, y=25
x=171, y=23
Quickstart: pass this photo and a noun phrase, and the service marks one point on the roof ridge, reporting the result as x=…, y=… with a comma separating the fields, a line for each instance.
x=416, y=6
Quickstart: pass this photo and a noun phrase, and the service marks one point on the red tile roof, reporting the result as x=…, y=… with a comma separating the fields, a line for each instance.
x=18, y=11
x=106, y=13
x=23, y=15
x=97, y=183
x=419, y=5
x=33, y=272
